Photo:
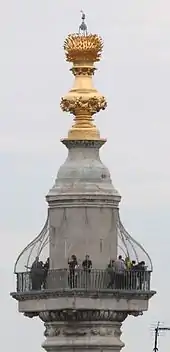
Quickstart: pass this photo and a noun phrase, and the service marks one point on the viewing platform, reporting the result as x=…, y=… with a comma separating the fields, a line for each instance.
x=95, y=280
x=69, y=292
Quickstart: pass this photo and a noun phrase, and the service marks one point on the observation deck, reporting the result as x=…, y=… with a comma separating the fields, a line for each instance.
x=102, y=280
x=96, y=281
x=61, y=290
x=128, y=247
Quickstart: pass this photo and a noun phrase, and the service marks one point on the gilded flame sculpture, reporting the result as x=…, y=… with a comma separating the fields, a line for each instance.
x=83, y=100
x=87, y=48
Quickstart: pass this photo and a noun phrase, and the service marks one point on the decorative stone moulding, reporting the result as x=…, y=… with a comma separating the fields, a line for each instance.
x=83, y=315
x=53, y=330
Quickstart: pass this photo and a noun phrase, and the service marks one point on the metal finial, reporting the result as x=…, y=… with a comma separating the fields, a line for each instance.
x=83, y=26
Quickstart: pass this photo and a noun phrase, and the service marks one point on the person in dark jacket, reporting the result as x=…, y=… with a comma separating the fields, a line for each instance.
x=87, y=266
x=87, y=263
x=73, y=264
x=46, y=268
x=37, y=274
x=141, y=273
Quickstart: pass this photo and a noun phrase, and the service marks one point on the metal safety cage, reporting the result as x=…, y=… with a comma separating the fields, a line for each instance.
x=128, y=247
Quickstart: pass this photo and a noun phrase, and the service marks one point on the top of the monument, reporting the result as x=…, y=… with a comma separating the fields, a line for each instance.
x=83, y=26
x=83, y=46
x=83, y=49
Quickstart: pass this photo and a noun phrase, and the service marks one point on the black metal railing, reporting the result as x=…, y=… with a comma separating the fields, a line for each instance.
x=58, y=279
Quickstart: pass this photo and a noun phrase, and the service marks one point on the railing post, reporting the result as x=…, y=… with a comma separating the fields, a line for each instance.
x=149, y=280
x=21, y=283
x=17, y=276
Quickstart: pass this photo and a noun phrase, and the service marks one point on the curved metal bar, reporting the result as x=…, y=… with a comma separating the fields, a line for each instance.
x=122, y=250
x=27, y=265
x=120, y=234
x=128, y=237
x=32, y=243
x=39, y=239
x=135, y=242
x=134, y=250
x=42, y=240
x=43, y=245
x=142, y=249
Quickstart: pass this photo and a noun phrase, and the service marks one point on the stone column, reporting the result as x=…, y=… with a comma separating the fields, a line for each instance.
x=69, y=330
x=83, y=191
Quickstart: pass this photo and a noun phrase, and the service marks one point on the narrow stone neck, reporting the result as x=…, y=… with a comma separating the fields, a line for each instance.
x=82, y=154
x=83, y=173
x=94, y=144
x=83, y=164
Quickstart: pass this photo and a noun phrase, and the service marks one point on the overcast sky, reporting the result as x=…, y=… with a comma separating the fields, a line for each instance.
x=134, y=75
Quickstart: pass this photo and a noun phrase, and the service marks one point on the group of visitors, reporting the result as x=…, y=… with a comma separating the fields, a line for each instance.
x=39, y=271
x=74, y=266
x=126, y=274
x=120, y=274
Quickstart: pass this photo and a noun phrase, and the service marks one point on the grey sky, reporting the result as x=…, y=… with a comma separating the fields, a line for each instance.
x=134, y=75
